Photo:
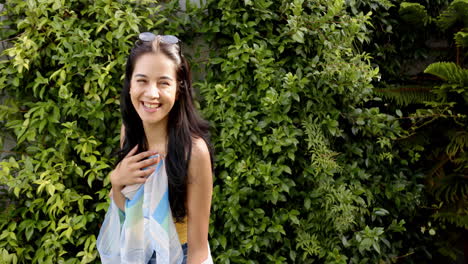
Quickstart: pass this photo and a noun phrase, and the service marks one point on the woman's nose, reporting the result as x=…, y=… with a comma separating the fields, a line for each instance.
x=153, y=91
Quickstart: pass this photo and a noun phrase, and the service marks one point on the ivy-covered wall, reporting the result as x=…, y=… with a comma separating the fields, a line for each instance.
x=62, y=79
x=306, y=170
x=308, y=166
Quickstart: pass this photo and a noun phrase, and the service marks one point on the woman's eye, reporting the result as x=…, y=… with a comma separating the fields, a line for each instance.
x=141, y=81
x=165, y=84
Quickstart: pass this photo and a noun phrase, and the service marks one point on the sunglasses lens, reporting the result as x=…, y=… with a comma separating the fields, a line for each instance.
x=147, y=36
x=170, y=39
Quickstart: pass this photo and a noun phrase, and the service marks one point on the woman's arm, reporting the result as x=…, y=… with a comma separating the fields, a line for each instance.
x=199, y=191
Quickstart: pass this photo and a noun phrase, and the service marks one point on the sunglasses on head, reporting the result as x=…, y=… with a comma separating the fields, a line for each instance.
x=168, y=39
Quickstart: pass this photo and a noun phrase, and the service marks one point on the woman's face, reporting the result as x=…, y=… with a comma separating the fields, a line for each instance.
x=153, y=88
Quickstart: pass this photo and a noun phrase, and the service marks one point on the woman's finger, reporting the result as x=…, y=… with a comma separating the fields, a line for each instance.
x=159, y=157
x=145, y=173
x=140, y=180
x=148, y=162
x=150, y=171
x=132, y=151
x=140, y=156
x=137, y=180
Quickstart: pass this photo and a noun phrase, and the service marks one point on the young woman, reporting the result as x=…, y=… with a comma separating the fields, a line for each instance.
x=162, y=184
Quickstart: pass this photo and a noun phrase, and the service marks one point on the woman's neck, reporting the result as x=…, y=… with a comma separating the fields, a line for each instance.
x=156, y=137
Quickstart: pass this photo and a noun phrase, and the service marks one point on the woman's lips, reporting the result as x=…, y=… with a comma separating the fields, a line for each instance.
x=151, y=107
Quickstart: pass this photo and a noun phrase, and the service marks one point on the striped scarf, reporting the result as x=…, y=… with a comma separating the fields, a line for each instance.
x=145, y=227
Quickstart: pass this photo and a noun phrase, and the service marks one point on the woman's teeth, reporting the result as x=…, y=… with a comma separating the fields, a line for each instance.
x=151, y=105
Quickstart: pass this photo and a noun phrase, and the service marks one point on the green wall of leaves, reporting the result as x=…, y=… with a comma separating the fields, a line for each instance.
x=307, y=169
x=61, y=84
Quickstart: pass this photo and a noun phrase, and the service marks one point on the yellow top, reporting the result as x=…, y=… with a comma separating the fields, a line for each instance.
x=182, y=231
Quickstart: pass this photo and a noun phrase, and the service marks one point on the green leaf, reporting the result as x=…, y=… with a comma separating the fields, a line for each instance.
x=298, y=36
x=448, y=71
x=29, y=232
x=50, y=189
x=223, y=241
x=399, y=113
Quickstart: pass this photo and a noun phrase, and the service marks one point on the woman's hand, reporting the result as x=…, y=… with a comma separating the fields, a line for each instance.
x=129, y=170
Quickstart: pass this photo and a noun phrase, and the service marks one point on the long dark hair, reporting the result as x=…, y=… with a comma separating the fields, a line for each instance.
x=184, y=124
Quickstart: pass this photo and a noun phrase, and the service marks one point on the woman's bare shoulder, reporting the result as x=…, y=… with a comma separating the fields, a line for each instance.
x=200, y=160
x=199, y=148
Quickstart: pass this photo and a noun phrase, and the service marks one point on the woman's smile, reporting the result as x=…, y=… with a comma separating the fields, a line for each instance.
x=151, y=107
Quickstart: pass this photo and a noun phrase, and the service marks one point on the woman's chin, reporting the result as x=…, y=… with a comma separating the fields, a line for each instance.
x=152, y=121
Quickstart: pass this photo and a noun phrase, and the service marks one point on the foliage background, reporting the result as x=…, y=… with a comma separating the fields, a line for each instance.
x=309, y=164
x=428, y=96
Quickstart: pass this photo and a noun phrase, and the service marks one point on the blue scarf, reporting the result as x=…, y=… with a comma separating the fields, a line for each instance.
x=145, y=227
